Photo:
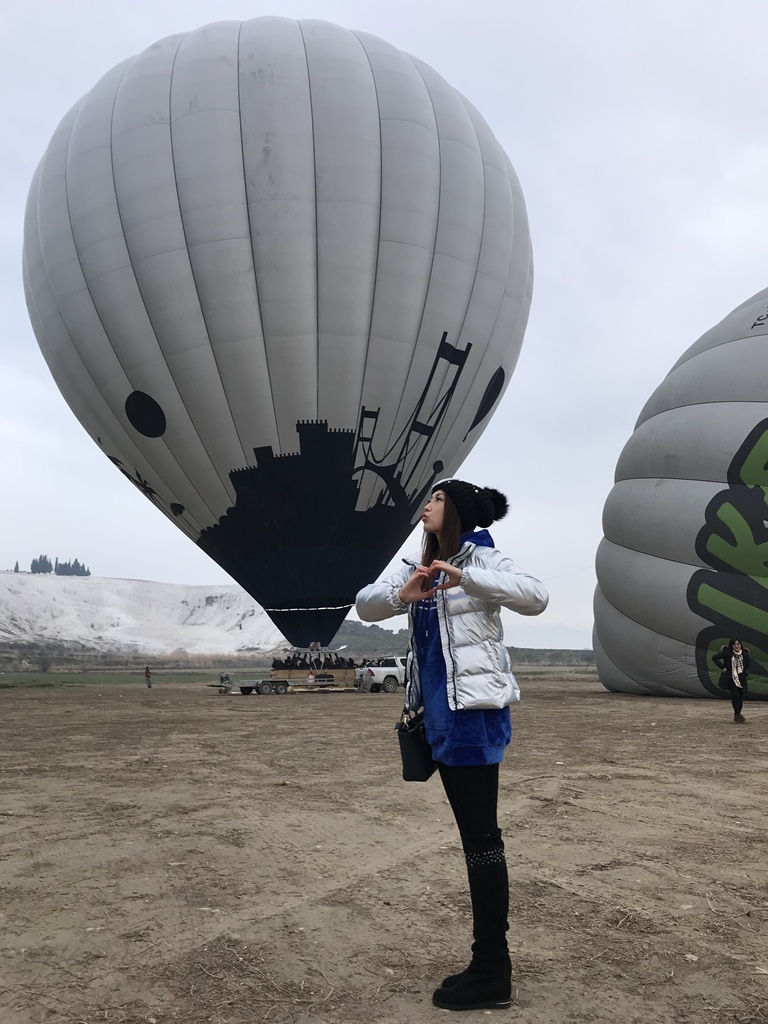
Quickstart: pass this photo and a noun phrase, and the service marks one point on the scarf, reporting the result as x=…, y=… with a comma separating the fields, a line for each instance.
x=737, y=666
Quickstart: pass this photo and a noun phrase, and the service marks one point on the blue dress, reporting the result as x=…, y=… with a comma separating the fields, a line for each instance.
x=457, y=738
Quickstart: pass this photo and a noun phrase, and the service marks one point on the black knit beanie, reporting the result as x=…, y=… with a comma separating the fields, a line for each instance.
x=477, y=506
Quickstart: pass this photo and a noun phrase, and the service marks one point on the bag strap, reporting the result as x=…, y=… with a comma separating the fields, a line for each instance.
x=410, y=719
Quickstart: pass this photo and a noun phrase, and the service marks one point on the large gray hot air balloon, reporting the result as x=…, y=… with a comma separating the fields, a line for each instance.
x=683, y=566
x=281, y=273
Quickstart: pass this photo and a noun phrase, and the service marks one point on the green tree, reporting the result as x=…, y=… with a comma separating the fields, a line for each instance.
x=75, y=568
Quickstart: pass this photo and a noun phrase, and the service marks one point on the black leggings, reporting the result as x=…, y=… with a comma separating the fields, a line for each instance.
x=473, y=794
x=737, y=697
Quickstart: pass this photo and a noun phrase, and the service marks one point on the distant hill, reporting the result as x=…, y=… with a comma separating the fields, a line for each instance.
x=89, y=615
x=373, y=642
x=370, y=641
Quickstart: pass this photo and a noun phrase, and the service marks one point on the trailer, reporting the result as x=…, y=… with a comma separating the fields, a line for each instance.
x=264, y=686
x=313, y=669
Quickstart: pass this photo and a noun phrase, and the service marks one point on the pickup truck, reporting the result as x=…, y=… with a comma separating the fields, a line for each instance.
x=384, y=674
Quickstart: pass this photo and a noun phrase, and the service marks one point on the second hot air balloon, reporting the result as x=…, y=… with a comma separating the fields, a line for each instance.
x=281, y=273
x=683, y=567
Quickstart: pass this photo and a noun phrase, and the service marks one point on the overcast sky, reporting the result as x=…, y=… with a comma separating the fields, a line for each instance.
x=639, y=132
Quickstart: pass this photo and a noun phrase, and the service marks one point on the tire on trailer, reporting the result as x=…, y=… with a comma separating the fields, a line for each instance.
x=281, y=687
x=246, y=690
x=265, y=687
x=390, y=684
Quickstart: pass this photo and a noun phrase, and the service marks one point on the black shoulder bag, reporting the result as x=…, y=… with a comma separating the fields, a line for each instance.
x=415, y=751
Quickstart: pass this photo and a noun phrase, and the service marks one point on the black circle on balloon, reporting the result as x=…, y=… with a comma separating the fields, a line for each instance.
x=177, y=509
x=145, y=414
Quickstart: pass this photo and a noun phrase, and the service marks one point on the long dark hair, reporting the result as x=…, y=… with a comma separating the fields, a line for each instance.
x=450, y=534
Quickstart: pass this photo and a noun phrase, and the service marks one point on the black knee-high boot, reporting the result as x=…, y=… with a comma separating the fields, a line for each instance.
x=486, y=983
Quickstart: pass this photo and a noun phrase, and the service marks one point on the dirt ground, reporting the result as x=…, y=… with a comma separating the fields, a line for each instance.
x=182, y=856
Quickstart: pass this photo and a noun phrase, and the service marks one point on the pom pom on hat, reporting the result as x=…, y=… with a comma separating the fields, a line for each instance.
x=476, y=506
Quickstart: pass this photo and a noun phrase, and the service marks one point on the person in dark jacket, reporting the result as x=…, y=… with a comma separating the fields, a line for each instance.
x=733, y=659
x=460, y=673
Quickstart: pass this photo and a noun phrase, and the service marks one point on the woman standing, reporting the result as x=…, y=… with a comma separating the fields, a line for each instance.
x=459, y=672
x=733, y=659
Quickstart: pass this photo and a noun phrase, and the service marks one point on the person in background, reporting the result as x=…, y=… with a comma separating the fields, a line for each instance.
x=148, y=678
x=460, y=673
x=733, y=660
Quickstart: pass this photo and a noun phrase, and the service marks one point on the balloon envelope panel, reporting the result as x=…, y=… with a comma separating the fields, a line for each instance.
x=281, y=273
x=683, y=567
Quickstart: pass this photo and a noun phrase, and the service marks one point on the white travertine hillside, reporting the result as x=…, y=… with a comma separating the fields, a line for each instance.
x=153, y=618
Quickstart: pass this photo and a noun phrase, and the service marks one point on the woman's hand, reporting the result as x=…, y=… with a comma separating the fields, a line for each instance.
x=417, y=587
x=421, y=585
x=451, y=573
